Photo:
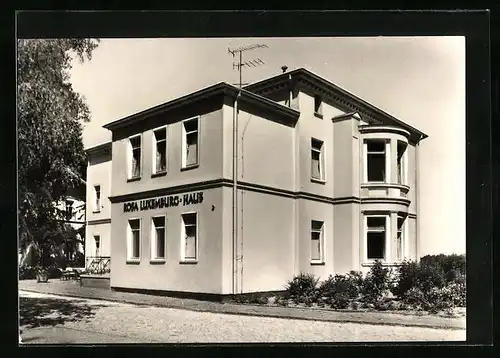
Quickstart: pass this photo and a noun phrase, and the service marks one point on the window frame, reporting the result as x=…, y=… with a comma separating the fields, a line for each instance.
x=130, y=259
x=96, y=202
x=403, y=237
x=130, y=155
x=97, y=251
x=402, y=172
x=387, y=246
x=154, y=242
x=183, y=258
x=184, y=165
x=154, y=171
x=322, y=259
x=387, y=159
x=322, y=161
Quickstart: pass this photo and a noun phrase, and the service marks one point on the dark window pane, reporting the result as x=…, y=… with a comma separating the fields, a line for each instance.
x=376, y=245
x=159, y=221
x=161, y=162
x=189, y=219
x=316, y=225
x=191, y=231
x=135, y=244
x=316, y=144
x=376, y=146
x=134, y=224
x=190, y=126
x=135, y=142
x=376, y=167
x=376, y=222
x=160, y=134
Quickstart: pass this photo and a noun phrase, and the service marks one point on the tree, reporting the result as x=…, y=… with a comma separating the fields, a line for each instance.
x=50, y=122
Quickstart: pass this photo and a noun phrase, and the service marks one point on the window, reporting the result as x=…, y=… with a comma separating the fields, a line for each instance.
x=189, y=237
x=158, y=238
x=97, y=241
x=134, y=239
x=97, y=198
x=401, y=163
x=376, y=158
x=190, y=143
x=135, y=157
x=376, y=237
x=69, y=209
x=318, y=105
x=317, y=242
x=317, y=160
x=160, y=150
x=400, y=239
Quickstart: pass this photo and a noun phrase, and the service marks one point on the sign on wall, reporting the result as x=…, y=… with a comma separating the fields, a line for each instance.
x=163, y=202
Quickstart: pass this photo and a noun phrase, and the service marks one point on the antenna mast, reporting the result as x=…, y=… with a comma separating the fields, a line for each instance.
x=239, y=65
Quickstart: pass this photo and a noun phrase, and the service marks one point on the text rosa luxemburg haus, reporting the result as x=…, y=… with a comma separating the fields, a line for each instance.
x=163, y=202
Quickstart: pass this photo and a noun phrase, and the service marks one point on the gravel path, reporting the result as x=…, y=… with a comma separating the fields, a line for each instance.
x=112, y=322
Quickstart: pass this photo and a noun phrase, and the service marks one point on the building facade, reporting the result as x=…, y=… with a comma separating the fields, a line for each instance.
x=227, y=190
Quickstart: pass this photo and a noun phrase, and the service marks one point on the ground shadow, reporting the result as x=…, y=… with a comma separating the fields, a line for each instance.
x=40, y=312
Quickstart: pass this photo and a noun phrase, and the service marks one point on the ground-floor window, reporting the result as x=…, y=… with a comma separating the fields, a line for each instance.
x=400, y=239
x=97, y=241
x=376, y=237
x=189, y=244
x=317, y=241
x=158, y=237
x=134, y=239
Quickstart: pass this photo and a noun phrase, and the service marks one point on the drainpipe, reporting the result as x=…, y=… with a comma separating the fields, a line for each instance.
x=417, y=199
x=235, y=190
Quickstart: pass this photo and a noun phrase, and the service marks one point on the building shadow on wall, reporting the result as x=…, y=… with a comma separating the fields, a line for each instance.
x=49, y=312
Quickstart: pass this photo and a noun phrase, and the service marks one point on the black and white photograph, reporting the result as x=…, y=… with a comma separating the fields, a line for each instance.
x=241, y=189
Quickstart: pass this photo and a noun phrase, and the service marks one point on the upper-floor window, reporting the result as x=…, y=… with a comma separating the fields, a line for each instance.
x=318, y=105
x=317, y=241
x=97, y=198
x=97, y=241
x=401, y=162
x=376, y=232
x=160, y=150
x=317, y=160
x=190, y=141
x=376, y=160
x=134, y=157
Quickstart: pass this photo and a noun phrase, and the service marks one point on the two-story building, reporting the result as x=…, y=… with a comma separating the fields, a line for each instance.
x=227, y=190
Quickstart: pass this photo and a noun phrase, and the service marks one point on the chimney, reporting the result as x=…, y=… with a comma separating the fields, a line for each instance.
x=284, y=68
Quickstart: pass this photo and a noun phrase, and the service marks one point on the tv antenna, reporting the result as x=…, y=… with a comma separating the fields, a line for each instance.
x=240, y=64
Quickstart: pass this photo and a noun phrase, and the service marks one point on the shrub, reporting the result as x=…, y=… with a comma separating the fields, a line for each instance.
x=339, y=290
x=375, y=283
x=27, y=273
x=302, y=287
x=430, y=276
x=452, y=265
x=406, y=278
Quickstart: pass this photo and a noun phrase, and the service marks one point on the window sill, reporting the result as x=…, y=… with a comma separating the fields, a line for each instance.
x=157, y=261
x=133, y=261
x=189, y=167
x=159, y=174
x=318, y=115
x=133, y=179
x=318, y=181
x=317, y=263
x=384, y=263
x=188, y=262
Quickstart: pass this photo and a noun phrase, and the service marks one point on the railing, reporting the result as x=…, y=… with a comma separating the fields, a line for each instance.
x=98, y=265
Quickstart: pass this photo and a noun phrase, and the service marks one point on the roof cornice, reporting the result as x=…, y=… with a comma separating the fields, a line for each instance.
x=100, y=149
x=221, y=88
x=340, y=97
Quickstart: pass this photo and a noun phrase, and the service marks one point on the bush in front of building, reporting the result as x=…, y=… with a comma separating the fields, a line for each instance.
x=376, y=283
x=27, y=273
x=339, y=290
x=452, y=265
x=302, y=288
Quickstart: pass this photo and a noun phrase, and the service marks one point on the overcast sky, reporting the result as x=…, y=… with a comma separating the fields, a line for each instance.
x=420, y=80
